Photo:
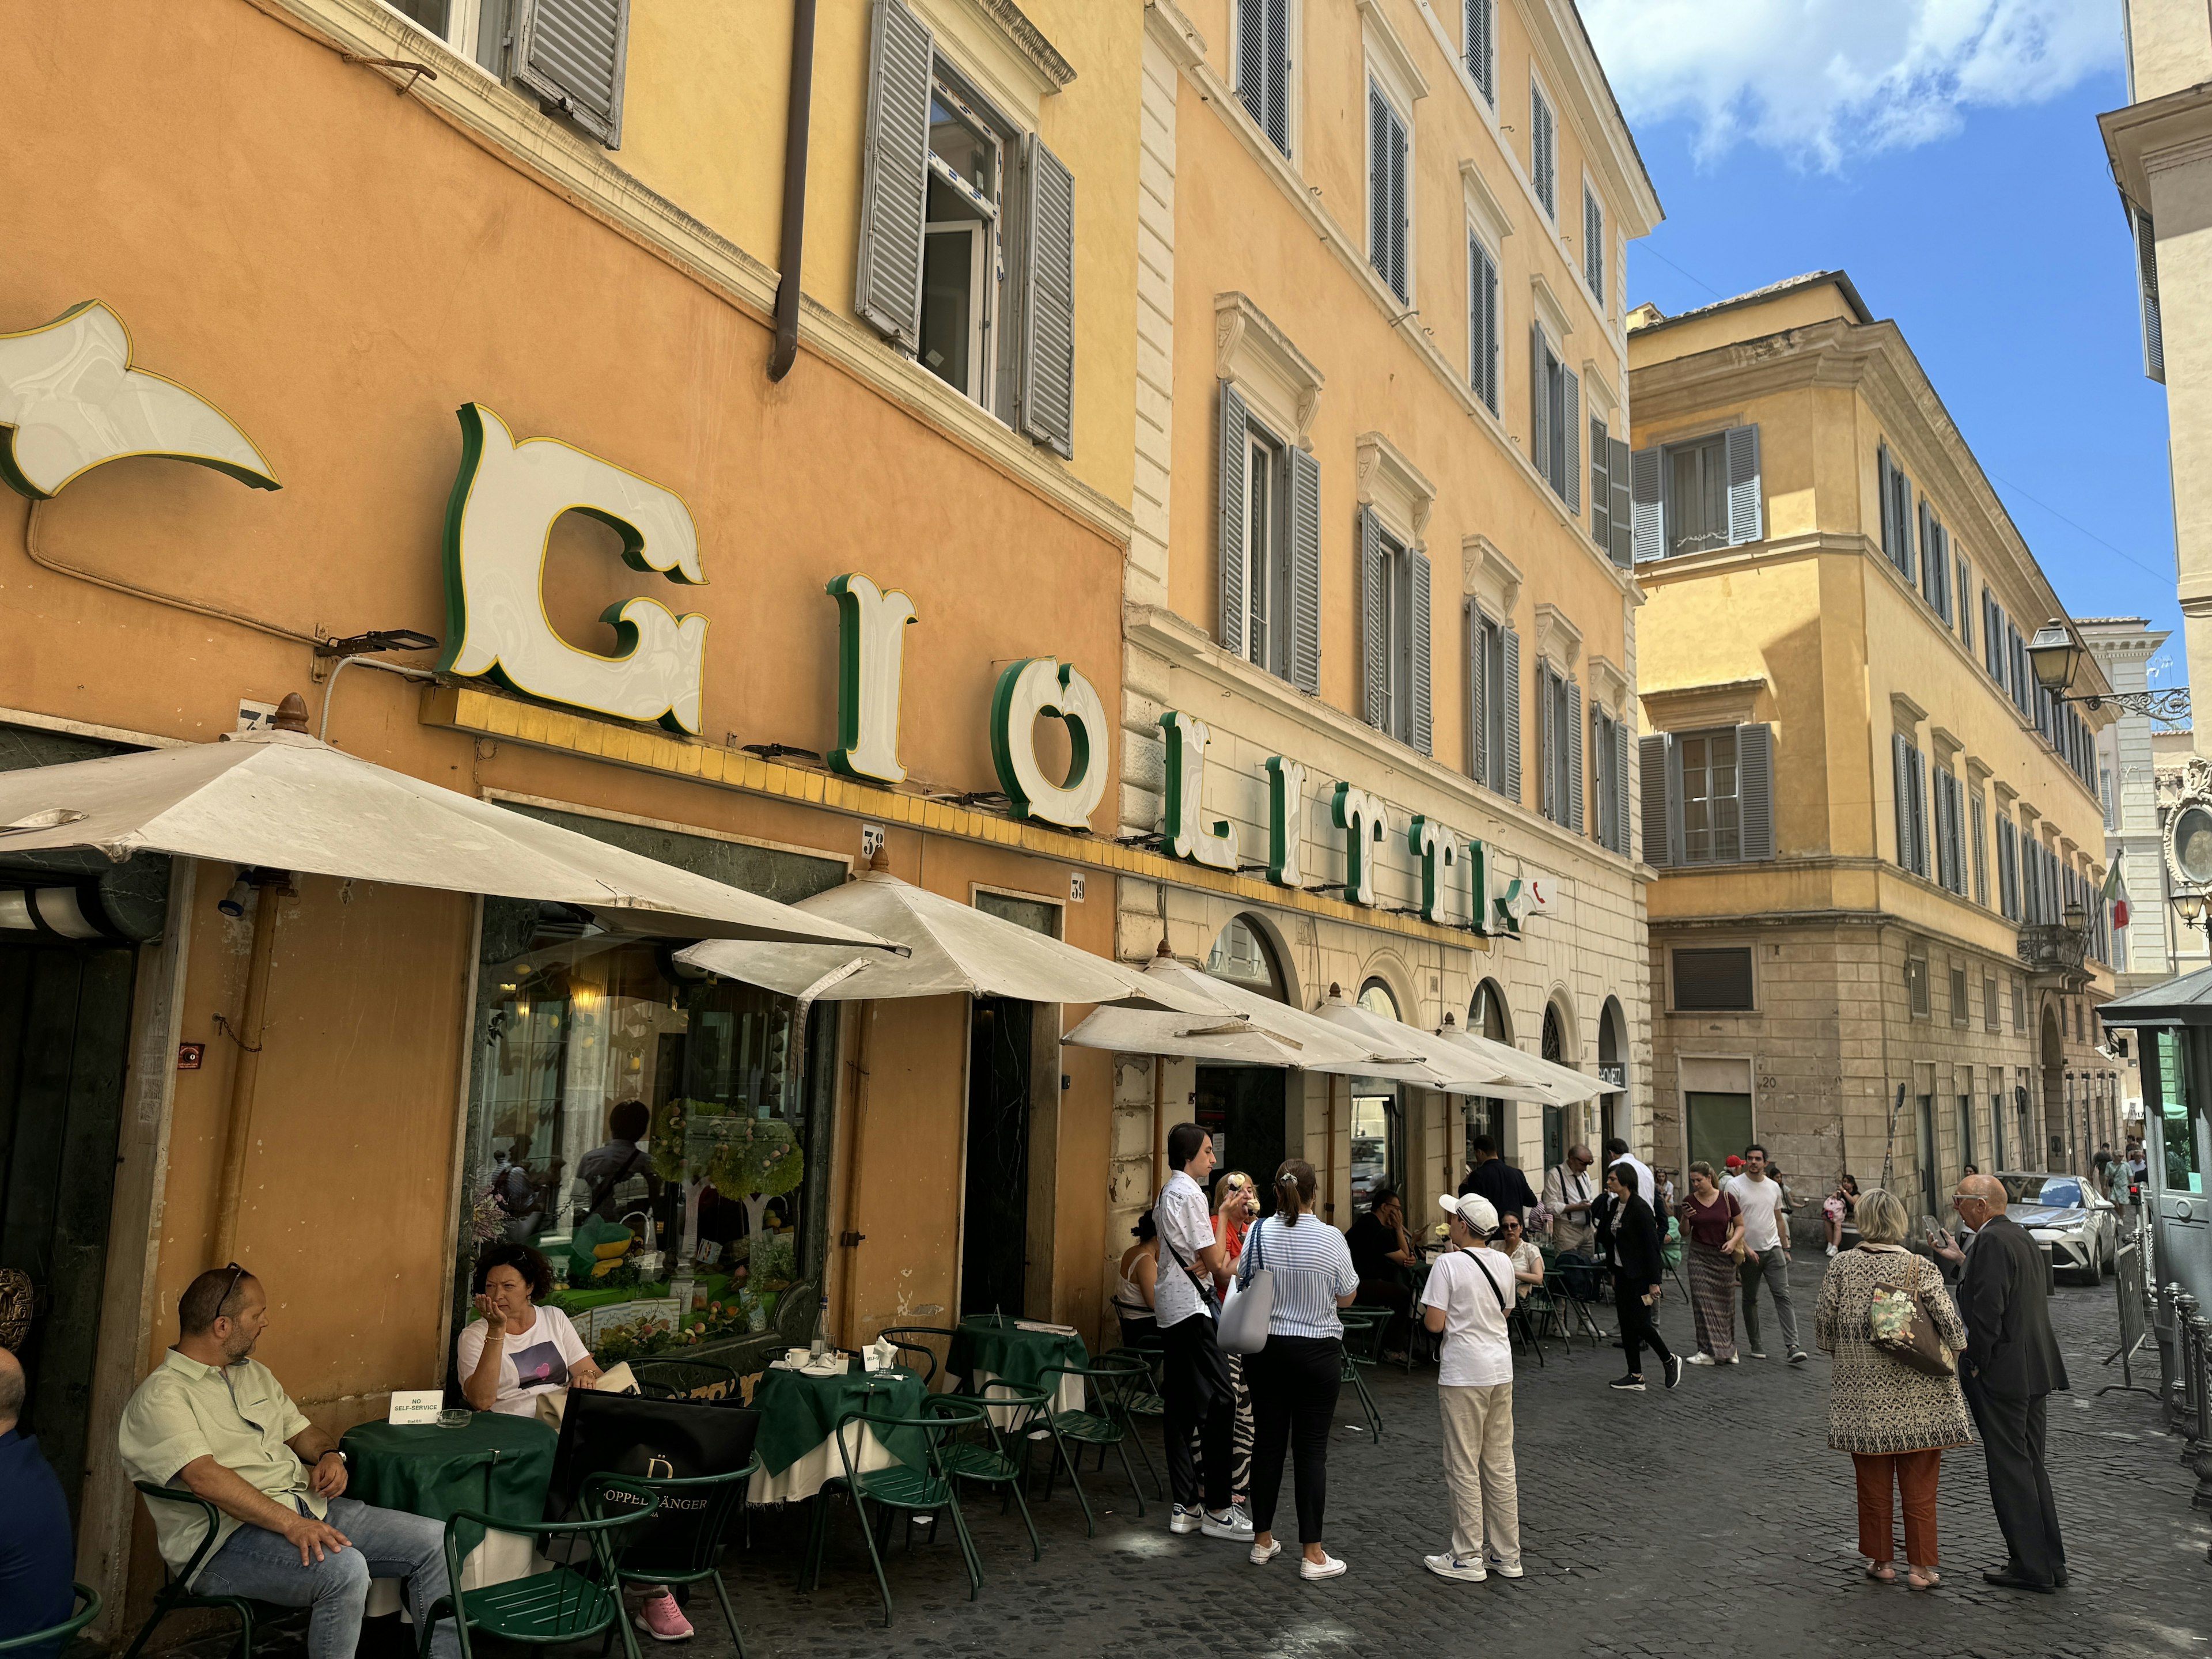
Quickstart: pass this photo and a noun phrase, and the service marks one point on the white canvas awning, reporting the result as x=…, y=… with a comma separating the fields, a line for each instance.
x=281, y=800
x=1451, y=1068
x=1559, y=1085
x=1255, y=1029
x=953, y=949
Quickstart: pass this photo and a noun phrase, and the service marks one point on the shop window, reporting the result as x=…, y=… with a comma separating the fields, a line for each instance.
x=1243, y=956
x=1038, y=915
x=1716, y=980
x=1378, y=1150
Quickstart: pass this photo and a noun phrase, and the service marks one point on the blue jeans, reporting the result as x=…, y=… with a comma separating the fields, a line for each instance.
x=385, y=1544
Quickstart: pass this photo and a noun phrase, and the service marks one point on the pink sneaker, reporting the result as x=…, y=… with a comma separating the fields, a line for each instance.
x=662, y=1619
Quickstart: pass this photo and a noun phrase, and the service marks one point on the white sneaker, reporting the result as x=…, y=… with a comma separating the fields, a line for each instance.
x=1832, y=1249
x=1449, y=1565
x=1184, y=1520
x=1703, y=1360
x=1735, y=1359
x=1330, y=1567
x=1756, y=1354
x=1262, y=1554
x=1506, y=1569
x=1229, y=1523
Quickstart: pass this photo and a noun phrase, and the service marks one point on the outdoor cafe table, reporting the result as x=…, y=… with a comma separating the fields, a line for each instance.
x=990, y=1348
x=495, y=1463
x=798, y=1413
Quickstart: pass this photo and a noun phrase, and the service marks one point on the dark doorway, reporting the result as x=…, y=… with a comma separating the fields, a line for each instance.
x=1242, y=1108
x=995, y=1228
x=64, y=1038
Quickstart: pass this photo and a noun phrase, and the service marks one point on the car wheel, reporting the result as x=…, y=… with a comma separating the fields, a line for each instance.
x=2093, y=1275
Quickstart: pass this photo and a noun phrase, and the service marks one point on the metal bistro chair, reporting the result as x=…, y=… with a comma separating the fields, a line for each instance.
x=722, y=1496
x=670, y=1379
x=1559, y=1285
x=568, y=1603
x=59, y=1634
x=1540, y=1307
x=175, y=1597
x=976, y=1449
x=1139, y=1395
x=1362, y=1342
x=1109, y=1426
x=916, y=1489
x=905, y=1339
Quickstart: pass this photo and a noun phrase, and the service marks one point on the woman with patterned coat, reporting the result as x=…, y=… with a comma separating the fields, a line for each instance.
x=1894, y=1421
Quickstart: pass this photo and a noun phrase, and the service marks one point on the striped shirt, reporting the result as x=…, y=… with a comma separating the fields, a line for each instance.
x=1312, y=1266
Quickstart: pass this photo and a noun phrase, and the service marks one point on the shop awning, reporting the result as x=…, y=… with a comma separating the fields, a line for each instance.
x=281, y=800
x=953, y=949
x=1560, y=1085
x=1451, y=1068
x=1253, y=1030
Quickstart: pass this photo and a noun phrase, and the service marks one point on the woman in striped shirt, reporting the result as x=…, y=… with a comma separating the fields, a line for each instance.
x=1294, y=1379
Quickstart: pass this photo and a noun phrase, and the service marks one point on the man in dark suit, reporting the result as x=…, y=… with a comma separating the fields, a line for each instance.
x=2012, y=1364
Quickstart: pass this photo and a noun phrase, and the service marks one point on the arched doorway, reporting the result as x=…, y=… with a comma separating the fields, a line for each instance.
x=1487, y=1016
x=1613, y=1067
x=2050, y=1148
x=1554, y=1048
x=1244, y=1108
x=1378, y=1117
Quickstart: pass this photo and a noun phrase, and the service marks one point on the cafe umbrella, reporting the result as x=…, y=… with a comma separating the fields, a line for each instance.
x=279, y=801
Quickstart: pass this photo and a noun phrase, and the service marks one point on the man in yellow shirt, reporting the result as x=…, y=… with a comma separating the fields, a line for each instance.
x=213, y=1420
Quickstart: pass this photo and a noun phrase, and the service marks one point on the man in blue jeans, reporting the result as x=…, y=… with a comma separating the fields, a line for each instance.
x=215, y=1422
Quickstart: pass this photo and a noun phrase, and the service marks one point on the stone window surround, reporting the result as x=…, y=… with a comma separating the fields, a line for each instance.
x=1389, y=61
x=1608, y=688
x=1945, y=747
x=1697, y=707
x=1559, y=642
x=1906, y=717
x=1484, y=211
x=1550, y=312
x=1489, y=578
x=1278, y=382
x=998, y=46
x=1394, y=487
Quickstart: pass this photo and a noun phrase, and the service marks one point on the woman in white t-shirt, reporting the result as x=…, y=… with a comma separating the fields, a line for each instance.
x=518, y=1350
x=1465, y=1299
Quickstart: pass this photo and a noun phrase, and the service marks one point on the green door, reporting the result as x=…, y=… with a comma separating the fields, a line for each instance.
x=64, y=1037
x=1719, y=1125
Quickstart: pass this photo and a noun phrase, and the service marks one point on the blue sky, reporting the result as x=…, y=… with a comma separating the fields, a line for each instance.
x=1946, y=154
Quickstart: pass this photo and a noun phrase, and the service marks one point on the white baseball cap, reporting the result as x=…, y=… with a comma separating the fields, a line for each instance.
x=1478, y=1212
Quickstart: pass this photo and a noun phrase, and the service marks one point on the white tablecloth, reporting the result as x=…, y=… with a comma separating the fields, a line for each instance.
x=502, y=1556
x=804, y=1477
x=1068, y=1398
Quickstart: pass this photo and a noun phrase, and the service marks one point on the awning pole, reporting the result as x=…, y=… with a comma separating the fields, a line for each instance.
x=237, y=1133
x=1159, y=1125
x=849, y=1266
x=1329, y=1191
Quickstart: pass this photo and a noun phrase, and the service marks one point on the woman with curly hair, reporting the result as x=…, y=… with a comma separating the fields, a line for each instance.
x=518, y=1350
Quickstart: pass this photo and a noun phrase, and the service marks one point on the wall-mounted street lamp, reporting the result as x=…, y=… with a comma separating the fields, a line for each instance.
x=2189, y=905
x=2055, y=652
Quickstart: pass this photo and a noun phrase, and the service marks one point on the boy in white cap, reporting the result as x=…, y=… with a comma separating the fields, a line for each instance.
x=1466, y=1300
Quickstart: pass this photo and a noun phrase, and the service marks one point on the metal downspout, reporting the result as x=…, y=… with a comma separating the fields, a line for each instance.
x=800, y=109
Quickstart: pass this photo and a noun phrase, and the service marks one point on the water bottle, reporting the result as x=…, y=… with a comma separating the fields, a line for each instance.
x=822, y=1327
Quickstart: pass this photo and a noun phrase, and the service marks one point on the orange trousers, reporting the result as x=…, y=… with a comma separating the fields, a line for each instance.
x=1915, y=1475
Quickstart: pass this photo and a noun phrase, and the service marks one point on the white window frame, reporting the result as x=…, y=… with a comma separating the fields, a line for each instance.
x=1267, y=570
x=1494, y=695
x=950, y=83
x=1489, y=7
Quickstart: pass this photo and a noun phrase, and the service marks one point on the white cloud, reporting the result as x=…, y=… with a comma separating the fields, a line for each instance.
x=1822, y=80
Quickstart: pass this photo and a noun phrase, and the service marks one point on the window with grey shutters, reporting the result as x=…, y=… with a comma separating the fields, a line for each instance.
x=1488, y=698
x=1601, y=485
x=1374, y=623
x=1044, y=395
x=2154, y=327
x=1482, y=341
x=2008, y=882
x=1747, y=507
x=1977, y=839
x=1232, y=542
x=1711, y=799
x=1935, y=560
x=1916, y=984
x=1569, y=427
x=1713, y=979
x=1910, y=784
x=1547, y=744
x=1305, y=571
x=1421, y=727
x=1620, y=788
x=1620, y=514
x=1754, y=751
x=1966, y=602
x=1511, y=667
x=895, y=174
x=1570, y=718
x=1395, y=597
x=1261, y=526
x=1387, y=204
x=1896, y=522
x=1646, y=507
x=1543, y=150
x=1263, y=66
x=1993, y=637
x=572, y=54
x=1479, y=42
x=1559, y=748
x=1554, y=419
x=1594, y=245
x=1660, y=789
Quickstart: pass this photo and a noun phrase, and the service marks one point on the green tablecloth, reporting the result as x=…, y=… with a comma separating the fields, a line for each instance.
x=998, y=1344
x=495, y=1464
x=798, y=1413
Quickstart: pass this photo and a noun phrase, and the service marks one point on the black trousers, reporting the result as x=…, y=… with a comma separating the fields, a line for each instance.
x=1195, y=1394
x=2012, y=1430
x=1294, y=1380
x=1638, y=1330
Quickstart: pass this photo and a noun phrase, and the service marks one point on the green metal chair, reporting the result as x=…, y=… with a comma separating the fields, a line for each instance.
x=59, y=1633
x=1540, y=1307
x=903, y=1338
x=1364, y=1327
x=1109, y=1426
x=975, y=1450
x=723, y=1497
x=578, y=1599
x=911, y=1488
x=670, y=1379
x=175, y=1597
x=1140, y=1396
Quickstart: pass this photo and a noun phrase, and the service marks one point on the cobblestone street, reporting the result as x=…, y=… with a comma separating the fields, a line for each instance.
x=1712, y=1520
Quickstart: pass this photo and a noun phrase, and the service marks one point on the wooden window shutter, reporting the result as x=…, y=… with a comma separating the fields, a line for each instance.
x=573, y=54
x=1647, y=507
x=1621, y=522
x=1252, y=59
x=1979, y=837
x=1620, y=815
x=895, y=174
x=1547, y=742
x=1601, y=486
x=1482, y=322
x=1046, y=396
x=1478, y=695
x=1943, y=836
x=1374, y=623
x=1305, y=571
x=1230, y=521
x=1881, y=491
x=1571, y=388
x=1540, y=406
x=1754, y=764
x=1574, y=818
x=2154, y=327
x=1661, y=839
x=1277, y=78
x=1747, y=516
x=1509, y=643
x=1902, y=767
x=1481, y=42
x=1422, y=733
x=1966, y=602
x=1919, y=811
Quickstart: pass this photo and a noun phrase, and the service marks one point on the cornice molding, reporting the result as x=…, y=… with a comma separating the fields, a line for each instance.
x=1176, y=35
x=2140, y=137
x=1488, y=575
x=1387, y=479
x=1557, y=641
x=1403, y=75
x=1609, y=686
x=1484, y=209
x=1247, y=345
x=1692, y=707
x=1549, y=311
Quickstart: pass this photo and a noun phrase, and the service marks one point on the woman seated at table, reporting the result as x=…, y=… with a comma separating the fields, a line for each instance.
x=1133, y=1287
x=518, y=1350
x=1528, y=1260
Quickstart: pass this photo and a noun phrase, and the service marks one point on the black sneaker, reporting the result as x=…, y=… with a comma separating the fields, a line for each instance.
x=1674, y=1370
x=1631, y=1383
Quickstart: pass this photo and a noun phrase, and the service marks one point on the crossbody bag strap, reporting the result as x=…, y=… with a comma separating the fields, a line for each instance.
x=1489, y=1279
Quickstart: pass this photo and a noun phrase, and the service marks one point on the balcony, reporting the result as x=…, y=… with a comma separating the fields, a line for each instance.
x=2055, y=956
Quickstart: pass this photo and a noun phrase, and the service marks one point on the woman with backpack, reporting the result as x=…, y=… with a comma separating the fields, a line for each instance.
x=1893, y=1404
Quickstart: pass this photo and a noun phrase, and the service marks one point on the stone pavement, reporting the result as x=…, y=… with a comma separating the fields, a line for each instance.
x=1711, y=1521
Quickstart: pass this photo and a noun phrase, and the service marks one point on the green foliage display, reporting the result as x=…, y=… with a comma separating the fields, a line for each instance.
x=743, y=1156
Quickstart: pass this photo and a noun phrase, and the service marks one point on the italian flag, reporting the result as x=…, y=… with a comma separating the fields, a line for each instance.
x=2115, y=893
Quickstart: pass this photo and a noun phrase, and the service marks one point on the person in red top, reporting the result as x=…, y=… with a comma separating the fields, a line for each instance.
x=1234, y=1204
x=1713, y=1222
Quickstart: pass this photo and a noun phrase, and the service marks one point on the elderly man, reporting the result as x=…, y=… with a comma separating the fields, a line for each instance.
x=35, y=1556
x=1569, y=1192
x=2012, y=1364
x=215, y=1422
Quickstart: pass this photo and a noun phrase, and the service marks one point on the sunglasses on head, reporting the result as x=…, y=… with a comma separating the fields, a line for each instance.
x=230, y=1290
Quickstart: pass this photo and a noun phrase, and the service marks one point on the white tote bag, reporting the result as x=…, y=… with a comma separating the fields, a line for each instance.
x=1251, y=1304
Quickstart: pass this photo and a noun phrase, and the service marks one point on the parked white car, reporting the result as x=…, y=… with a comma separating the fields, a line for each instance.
x=2064, y=1214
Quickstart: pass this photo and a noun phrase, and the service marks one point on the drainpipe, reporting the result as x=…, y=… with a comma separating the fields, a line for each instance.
x=800, y=107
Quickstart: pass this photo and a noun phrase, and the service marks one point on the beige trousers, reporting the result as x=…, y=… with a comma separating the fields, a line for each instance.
x=1477, y=1425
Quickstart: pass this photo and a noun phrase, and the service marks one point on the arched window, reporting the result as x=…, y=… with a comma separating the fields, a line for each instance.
x=1555, y=1117
x=1243, y=956
x=1486, y=1016
x=1554, y=1039
x=1375, y=997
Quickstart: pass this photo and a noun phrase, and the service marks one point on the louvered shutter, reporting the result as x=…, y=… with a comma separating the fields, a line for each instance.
x=1942, y=828
x=1600, y=487
x=1620, y=788
x=1252, y=58
x=1378, y=181
x=1958, y=834
x=1509, y=640
x=1619, y=524
x=1575, y=819
x=1547, y=770
x=1979, y=840
x=1402, y=283
x=1046, y=396
x=1482, y=323
x=1540, y=407
x=1374, y=623
x=1653, y=755
x=1919, y=812
x=572, y=54
x=1422, y=735
x=1235, y=450
x=1279, y=74
x=1305, y=571
x=895, y=174
x=1926, y=550
x=1881, y=491
x=1754, y=782
x=1745, y=514
x=1571, y=386
x=1478, y=695
x=1647, y=538
x=2154, y=326
x=1901, y=765
x=1482, y=49
x=1966, y=602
